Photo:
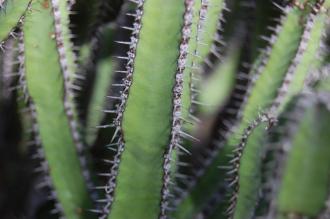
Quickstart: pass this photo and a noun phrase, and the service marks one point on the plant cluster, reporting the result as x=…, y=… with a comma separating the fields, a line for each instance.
x=183, y=109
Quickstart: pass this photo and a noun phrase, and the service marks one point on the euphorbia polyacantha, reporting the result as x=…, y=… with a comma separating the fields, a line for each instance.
x=145, y=109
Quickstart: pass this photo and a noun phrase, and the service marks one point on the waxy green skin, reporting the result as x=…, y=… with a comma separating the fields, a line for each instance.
x=191, y=59
x=203, y=34
x=148, y=114
x=309, y=61
x=67, y=43
x=216, y=89
x=306, y=63
x=10, y=16
x=212, y=24
x=263, y=91
x=105, y=71
x=46, y=88
x=308, y=163
x=261, y=95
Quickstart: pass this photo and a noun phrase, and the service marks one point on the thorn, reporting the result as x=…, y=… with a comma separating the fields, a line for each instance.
x=183, y=148
x=183, y=134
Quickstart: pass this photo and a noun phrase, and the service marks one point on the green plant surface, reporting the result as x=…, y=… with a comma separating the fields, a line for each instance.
x=250, y=176
x=105, y=73
x=183, y=109
x=271, y=71
x=307, y=163
x=292, y=84
x=46, y=87
x=306, y=60
x=191, y=65
x=204, y=32
x=246, y=168
x=211, y=24
x=148, y=114
x=61, y=19
x=274, y=70
x=11, y=15
x=215, y=90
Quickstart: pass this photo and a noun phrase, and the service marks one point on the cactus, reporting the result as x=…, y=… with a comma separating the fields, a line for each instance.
x=145, y=109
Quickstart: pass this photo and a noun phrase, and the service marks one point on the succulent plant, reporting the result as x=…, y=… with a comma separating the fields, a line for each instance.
x=145, y=109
